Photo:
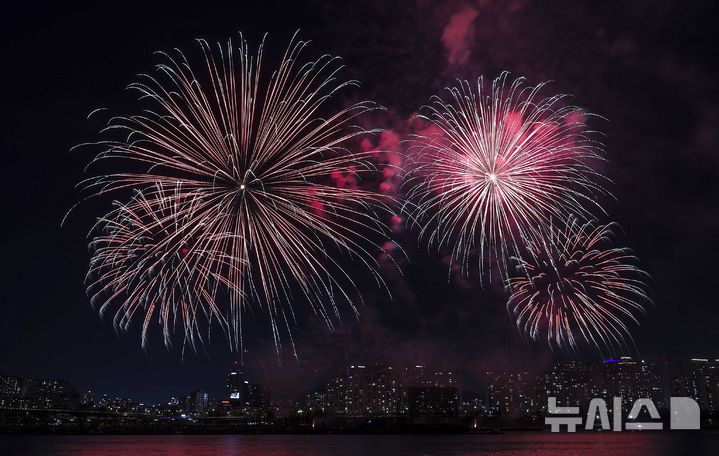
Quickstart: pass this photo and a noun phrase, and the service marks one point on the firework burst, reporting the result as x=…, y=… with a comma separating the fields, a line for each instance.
x=235, y=202
x=577, y=289
x=491, y=165
x=145, y=265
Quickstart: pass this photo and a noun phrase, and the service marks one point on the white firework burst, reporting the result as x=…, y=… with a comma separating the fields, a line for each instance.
x=244, y=162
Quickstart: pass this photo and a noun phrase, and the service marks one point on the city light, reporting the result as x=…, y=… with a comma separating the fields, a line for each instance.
x=390, y=397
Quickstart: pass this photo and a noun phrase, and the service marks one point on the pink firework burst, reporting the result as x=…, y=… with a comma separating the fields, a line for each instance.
x=492, y=164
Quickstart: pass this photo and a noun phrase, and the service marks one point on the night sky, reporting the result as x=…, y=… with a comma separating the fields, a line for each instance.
x=649, y=68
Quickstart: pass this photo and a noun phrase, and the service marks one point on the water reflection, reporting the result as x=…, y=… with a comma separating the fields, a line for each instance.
x=511, y=444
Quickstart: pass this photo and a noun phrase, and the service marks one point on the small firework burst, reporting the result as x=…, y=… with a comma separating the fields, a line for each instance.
x=152, y=258
x=575, y=288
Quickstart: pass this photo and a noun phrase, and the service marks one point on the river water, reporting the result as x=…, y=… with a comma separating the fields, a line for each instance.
x=510, y=444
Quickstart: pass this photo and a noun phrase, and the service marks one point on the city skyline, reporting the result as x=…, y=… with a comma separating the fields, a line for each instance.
x=236, y=380
x=373, y=398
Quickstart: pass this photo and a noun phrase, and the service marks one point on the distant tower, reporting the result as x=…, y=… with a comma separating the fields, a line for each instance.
x=235, y=386
x=244, y=397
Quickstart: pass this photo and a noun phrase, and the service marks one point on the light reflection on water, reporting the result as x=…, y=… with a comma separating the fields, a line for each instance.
x=510, y=444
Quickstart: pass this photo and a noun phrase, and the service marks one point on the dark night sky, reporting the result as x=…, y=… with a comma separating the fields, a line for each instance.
x=650, y=68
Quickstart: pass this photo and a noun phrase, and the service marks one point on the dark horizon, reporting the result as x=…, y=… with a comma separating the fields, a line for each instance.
x=649, y=68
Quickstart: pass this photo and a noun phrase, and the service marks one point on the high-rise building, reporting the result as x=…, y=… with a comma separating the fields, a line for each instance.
x=384, y=391
x=49, y=394
x=364, y=391
x=10, y=391
x=337, y=396
x=245, y=398
x=316, y=403
x=703, y=383
x=234, y=386
x=572, y=383
x=576, y=383
x=432, y=396
x=631, y=379
x=379, y=391
x=195, y=402
x=510, y=393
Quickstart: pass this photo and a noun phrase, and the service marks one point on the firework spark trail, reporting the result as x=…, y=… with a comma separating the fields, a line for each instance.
x=495, y=163
x=575, y=288
x=248, y=163
x=142, y=252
